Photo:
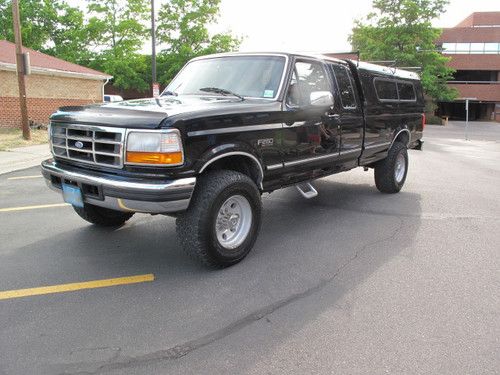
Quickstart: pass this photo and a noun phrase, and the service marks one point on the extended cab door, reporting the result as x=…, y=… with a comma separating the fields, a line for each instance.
x=350, y=114
x=310, y=133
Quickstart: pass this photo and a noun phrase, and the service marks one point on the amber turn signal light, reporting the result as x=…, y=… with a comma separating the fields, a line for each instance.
x=165, y=158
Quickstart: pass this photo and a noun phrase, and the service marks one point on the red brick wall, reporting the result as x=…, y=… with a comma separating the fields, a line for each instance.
x=486, y=93
x=474, y=62
x=45, y=94
x=470, y=34
x=109, y=89
x=39, y=110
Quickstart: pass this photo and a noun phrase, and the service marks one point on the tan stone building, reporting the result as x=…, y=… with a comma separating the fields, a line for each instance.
x=53, y=83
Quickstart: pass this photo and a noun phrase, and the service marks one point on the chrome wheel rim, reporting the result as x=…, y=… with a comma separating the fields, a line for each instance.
x=400, y=168
x=233, y=222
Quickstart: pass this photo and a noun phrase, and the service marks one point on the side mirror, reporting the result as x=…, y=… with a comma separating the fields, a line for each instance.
x=321, y=99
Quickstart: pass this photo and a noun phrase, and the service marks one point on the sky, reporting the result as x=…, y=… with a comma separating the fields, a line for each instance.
x=308, y=25
x=314, y=25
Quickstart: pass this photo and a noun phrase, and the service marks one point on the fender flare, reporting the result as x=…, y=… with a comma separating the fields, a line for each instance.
x=248, y=155
x=397, y=135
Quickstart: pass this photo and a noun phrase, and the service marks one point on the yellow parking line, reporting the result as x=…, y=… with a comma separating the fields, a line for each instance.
x=23, y=208
x=9, y=294
x=24, y=177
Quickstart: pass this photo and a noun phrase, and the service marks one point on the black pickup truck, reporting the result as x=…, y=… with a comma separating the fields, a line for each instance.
x=227, y=129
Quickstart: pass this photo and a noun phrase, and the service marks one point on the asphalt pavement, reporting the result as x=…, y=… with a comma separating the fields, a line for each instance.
x=350, y=282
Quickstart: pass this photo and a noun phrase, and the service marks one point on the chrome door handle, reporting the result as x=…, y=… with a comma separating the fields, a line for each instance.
x=335, y=118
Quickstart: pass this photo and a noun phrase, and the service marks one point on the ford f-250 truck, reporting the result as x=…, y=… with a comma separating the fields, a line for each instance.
x=227, y=129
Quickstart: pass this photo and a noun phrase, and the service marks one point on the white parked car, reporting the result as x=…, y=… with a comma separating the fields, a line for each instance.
x=113, y=98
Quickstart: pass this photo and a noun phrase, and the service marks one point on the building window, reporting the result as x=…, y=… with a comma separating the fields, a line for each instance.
x=491, y=47
x=477, y=48
x=462, y=48
x=471, y=48
x=448, y=47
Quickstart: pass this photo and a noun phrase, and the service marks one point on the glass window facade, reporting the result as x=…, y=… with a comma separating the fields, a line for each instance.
x=471, y=48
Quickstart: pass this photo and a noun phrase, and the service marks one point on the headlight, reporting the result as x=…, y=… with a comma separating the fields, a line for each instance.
x=154, y=148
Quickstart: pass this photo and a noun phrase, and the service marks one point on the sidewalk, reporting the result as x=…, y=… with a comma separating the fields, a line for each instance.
x=23, y=157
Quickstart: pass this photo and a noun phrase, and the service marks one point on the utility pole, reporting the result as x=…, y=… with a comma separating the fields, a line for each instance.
x=154, y=85
x=20, y=70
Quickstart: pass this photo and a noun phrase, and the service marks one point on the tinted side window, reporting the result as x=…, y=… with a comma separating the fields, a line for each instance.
x=386, y=90
x=345, y=86
x=406, y=91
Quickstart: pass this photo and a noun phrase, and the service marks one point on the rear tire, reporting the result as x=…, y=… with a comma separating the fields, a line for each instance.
x=223, y=220
x=390, y=173
x=103, y=217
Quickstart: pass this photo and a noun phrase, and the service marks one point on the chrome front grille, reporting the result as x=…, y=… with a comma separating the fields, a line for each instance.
x=96, y=145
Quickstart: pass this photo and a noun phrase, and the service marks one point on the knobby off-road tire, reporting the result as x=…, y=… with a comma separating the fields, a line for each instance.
x=101, y=216
x=390, y=173
x=223, y=220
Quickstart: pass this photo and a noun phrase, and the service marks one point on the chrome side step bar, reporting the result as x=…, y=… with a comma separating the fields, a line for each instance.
x=307, y=190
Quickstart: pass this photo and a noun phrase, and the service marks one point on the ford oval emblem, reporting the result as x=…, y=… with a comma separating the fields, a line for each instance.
x=78, y=144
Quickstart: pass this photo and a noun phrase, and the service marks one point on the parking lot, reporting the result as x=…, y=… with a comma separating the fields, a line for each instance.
x=352, y=281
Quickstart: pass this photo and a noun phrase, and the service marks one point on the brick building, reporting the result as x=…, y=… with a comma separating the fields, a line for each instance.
x=474, y=48
x=52, y=83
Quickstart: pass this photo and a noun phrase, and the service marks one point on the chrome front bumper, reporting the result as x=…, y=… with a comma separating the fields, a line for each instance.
x=122, y=193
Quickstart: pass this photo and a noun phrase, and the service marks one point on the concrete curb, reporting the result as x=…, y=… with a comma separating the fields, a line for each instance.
x=23, y=157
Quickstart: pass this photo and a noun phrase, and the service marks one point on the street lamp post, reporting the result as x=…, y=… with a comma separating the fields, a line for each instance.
x=467, y=117
x=153, y=48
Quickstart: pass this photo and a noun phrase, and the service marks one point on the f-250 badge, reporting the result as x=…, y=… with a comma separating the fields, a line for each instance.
x=267, y=142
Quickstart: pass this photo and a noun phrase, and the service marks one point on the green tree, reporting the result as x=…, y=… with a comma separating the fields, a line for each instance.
x=49, y=26
x=69, y=36
x=110, y=35
x=36, y=16
x=183, y=29
x=117, y=30
x=401, y=30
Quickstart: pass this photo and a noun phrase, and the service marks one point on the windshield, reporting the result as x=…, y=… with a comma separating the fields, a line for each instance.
x=251, y=76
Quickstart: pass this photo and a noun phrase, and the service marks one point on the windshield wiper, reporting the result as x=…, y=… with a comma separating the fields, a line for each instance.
x=172, y=93
x=221, y=91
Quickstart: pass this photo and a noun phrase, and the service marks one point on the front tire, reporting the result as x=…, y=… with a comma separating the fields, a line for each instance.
x=103, y=217
x=223, y=220
x=390, y=173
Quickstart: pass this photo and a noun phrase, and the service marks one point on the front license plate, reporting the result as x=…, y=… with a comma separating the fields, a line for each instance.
x=72, y=195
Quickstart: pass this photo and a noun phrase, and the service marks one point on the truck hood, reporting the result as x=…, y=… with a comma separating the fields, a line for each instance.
x=151, y=113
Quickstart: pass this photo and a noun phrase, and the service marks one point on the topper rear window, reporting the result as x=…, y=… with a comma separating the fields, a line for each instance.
x=386, y=90
x=406, y=91
x=394, y=91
